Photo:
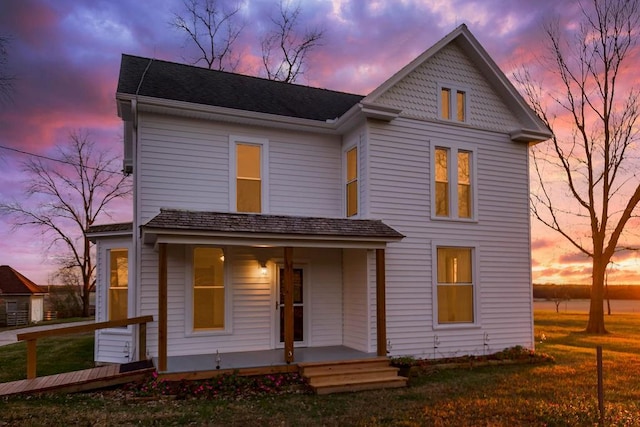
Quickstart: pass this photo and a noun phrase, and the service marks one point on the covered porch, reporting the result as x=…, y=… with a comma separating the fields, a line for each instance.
x=260, y=359
x=273, y=242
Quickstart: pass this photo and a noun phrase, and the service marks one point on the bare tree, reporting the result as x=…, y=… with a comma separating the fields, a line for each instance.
x=599, y=184
x=213, y=29
x=285, y=50
x=6, y=80
x=65, y=197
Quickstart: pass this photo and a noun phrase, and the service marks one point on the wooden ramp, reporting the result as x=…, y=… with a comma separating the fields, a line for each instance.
x=71, y=382
x=351, y=375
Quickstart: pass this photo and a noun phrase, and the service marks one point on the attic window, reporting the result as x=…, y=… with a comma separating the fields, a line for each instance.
x=453, y=103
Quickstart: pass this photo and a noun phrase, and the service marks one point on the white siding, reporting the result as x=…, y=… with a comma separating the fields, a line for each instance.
x=418, y=96
x=356, y=300
x=253, y=318
x=112, y=345
x=184, y=164
x=400, y=195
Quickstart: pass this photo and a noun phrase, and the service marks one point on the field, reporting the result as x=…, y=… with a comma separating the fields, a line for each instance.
x=554, y=394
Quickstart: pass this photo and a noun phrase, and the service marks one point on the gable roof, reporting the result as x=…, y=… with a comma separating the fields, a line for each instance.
x=12, y=282
x=534, y=130
x=267, y=227
x=168, y=80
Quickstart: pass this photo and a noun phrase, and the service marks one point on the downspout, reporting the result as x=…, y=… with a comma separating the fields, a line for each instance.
x=136, y=235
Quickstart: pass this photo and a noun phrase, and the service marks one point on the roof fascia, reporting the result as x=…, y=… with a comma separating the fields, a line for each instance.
x=263, y=240
x=93, y=237
x=208, y=112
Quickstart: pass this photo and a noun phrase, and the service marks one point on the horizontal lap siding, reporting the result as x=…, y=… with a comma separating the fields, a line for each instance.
x=355, y=300
x=305, y=175
x=185, y=165
x=325, y=299
x=252, y=300
x=400, y=195
x=114, y=347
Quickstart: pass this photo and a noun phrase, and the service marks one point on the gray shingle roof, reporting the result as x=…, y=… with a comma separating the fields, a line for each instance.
x=168, y=80
x=170, y=219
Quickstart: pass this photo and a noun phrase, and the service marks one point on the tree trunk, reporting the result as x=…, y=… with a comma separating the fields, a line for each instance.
x=596, y=309
x=86, y=301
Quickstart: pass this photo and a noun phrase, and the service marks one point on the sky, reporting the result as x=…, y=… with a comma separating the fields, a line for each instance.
x=65, y=56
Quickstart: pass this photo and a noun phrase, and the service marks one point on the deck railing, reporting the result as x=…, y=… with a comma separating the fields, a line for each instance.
x=32, y=337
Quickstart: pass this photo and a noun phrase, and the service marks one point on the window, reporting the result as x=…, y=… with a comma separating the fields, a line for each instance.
x=453, y=103
x=118, y=283
x=249, y=183
x=208, y=289
x=352, y=182
x=453, y=192
x=455, y=285
x=248, y=175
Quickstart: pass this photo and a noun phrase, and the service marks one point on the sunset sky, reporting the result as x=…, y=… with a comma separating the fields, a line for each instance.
x=65, y=55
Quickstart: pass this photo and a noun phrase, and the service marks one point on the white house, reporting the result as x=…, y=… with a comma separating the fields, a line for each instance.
x=280, y=221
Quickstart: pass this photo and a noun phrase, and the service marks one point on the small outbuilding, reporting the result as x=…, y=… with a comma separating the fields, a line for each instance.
x=21, y=300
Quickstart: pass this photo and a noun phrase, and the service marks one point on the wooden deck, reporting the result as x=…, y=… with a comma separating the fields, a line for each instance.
x=71, y=382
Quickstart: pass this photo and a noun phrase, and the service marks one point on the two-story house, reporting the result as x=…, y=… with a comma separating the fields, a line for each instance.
x=275, y=223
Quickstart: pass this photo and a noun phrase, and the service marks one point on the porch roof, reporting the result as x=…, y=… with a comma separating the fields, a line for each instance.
x=182, y=226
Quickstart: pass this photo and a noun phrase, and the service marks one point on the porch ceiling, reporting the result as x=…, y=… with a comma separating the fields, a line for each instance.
x=190, y=227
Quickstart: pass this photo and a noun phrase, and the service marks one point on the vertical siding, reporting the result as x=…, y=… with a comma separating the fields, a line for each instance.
x=400, y=195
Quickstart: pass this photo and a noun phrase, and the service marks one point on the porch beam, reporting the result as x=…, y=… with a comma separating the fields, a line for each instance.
x=288, y=304
x=381, y=313
x=162, y=307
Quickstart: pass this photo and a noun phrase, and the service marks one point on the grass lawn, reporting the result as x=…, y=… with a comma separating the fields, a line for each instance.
x=560, y=394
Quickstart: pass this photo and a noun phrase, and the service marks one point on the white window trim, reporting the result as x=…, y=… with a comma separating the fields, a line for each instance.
x=453, y=181
x=103, y=313
x=188, y=297
x=264, y=172
x=475, y=272
x=453, y=104
x=344, y=179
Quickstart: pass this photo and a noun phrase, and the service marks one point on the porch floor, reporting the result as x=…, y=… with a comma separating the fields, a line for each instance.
x=262, y=358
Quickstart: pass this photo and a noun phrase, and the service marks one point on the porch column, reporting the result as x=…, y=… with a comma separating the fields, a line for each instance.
x=381, y=313
x=288, y=304
x=162, y=307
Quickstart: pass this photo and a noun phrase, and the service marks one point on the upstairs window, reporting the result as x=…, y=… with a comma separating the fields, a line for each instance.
x=453, y=103
x=249, y=178
x=453, y=180
x=118, y=283
x=352, y=182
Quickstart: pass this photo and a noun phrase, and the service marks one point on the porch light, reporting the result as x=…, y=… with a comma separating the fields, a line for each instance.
x=263, y=268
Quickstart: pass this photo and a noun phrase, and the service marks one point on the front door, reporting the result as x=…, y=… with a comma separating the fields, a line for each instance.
x=299, y=333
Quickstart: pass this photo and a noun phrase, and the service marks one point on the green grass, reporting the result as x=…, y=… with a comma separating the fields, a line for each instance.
x=54, y=355
x=560, y=394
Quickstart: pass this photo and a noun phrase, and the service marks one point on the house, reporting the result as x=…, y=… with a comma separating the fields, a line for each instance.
x=275, y=223
x=21, y=300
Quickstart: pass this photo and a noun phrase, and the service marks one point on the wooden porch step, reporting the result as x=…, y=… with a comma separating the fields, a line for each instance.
x=351, y=375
